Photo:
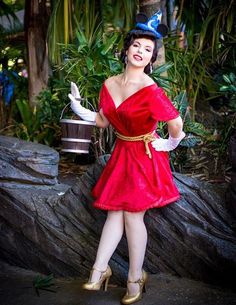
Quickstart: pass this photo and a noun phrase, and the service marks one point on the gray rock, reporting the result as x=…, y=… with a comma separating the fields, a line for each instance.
x=231, y=192
x=57, y=230
x=27, y=163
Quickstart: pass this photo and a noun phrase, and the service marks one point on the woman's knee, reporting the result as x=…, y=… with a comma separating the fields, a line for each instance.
x=115, y=216
x=133, y=219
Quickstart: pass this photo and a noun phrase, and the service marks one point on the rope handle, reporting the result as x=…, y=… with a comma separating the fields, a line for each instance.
x=78, y=99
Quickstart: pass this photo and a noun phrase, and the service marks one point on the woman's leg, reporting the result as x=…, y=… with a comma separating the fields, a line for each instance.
x=136, y=234
x=111, y=235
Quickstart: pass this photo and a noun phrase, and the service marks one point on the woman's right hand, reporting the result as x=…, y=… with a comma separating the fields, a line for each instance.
x=81, y=111
x=75, y=91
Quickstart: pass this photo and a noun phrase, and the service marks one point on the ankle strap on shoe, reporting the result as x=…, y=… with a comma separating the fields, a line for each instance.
x=99, y=270
x=139, y=281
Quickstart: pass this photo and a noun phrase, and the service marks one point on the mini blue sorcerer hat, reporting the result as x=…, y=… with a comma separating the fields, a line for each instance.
x=152, y=24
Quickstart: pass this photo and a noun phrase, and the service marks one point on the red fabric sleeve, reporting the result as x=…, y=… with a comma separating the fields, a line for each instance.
x=101, y=99
x=161, y=106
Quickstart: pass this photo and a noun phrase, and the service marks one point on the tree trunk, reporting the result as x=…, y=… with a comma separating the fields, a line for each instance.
x=53, y=228
x=149, y=7
x=36, y=24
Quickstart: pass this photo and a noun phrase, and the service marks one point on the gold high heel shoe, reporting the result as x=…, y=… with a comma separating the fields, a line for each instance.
x=130, y=299
x=103, y=281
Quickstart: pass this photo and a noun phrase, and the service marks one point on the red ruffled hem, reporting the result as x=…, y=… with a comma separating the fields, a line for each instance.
x=149, y=206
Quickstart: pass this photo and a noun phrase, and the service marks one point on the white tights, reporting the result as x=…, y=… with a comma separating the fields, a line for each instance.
x=112, y=232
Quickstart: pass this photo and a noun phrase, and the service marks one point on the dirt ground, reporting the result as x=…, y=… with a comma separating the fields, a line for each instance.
x=16, y=288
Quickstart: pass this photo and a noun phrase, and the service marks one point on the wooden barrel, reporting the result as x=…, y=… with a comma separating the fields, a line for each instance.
x=76, y=135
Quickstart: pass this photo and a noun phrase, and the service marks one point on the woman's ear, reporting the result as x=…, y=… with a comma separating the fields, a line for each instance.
x=162, y=29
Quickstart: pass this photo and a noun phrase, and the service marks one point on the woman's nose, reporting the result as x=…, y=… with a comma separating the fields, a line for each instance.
x=139, y=50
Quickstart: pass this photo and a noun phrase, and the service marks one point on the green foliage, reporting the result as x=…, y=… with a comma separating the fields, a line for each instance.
x=194, y=130
x=196, y=133
x=69, y=16
x=27, y=115
x=43, y=283
x=89, y=62
x=119, y=14
x=197, y=68
x=229, y=88
x=206, y=21
x=50, y=107
x=8, y=7
x=209, y=45
x=189, y=72
x=39, y=124
x=163, y=82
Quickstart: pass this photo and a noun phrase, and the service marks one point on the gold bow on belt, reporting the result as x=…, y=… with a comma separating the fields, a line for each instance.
x=146, y=138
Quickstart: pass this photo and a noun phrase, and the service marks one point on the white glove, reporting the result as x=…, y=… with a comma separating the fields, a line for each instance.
x=74, y=90
x=81, y=111
x=167, y=144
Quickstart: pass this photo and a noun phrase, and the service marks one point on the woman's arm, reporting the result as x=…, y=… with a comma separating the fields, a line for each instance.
x=86, y=114
x=176, y=134
x=101, y=120
x=175, y=127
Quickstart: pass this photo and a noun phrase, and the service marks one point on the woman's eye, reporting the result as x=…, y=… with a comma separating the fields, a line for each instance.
x=148, y=50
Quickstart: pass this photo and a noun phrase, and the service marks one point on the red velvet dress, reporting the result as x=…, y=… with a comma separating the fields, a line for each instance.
x=131, y=181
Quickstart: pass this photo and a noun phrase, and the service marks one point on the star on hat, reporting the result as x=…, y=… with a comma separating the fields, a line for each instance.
x=152, y=24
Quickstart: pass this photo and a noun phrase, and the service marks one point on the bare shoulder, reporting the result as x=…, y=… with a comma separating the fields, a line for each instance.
x=147, y=81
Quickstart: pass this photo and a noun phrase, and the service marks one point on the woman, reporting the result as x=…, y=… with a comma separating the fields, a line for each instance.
x=137, y=177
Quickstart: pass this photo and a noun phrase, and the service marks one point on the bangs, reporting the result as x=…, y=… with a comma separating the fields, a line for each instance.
x=141, y=34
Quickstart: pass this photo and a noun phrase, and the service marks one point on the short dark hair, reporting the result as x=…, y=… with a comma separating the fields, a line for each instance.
x=129, y=39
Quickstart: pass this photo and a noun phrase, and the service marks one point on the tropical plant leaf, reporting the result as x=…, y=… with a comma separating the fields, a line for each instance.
x=196, y=128
x=89, y=63
x=25, y=112
x=163, y=68
x=182, y=102
x=232, y=77
x=190, y=141
x=224, y=88
x=43, y=282
x=109, y=43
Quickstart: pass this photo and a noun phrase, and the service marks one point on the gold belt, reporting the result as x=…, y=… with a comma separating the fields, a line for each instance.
x=146, y=138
